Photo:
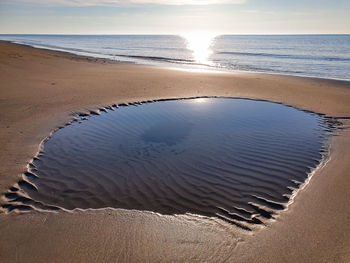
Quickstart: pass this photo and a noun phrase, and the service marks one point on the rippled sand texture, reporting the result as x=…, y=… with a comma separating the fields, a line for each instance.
x=235, y=159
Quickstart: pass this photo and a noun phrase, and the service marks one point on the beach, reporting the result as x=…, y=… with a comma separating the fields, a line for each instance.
x=42, y=89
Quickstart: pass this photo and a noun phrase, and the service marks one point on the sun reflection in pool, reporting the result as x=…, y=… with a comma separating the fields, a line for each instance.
x=200, y=45
x=200, y=100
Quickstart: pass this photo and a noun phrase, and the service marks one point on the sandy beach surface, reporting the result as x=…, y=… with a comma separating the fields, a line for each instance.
x=41, y=89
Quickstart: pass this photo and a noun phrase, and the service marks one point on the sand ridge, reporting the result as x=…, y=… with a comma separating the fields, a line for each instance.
x=39, y=91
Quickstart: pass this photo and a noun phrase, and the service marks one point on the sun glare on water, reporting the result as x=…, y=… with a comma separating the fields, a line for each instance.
x=200, y=100
x=200, y=45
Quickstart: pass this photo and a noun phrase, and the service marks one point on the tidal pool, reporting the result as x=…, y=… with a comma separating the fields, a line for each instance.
x=235, y=159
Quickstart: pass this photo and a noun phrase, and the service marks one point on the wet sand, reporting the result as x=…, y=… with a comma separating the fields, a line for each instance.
x=41, y=89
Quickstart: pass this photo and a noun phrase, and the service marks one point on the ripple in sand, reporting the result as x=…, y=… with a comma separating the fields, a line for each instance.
x=238, y=160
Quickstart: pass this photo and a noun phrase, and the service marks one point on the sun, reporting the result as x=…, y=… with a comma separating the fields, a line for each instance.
x=200, y=45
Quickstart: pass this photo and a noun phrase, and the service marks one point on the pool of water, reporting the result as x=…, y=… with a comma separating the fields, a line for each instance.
x=235, y=159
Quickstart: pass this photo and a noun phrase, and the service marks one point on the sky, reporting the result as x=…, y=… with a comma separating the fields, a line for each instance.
x=174, y=16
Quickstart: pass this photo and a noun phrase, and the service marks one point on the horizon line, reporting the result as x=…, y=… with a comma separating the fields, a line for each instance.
x=174, y=34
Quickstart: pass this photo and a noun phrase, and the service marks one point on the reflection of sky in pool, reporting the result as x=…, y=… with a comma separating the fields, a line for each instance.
x=167, y=131
x=231, y=158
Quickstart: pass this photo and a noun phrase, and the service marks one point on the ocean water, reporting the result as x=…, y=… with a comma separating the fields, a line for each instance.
x=323, y=56
x=235, y=159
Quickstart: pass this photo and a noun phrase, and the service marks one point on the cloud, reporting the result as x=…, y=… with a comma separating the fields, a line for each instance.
x=126, y=2
x=189, y=2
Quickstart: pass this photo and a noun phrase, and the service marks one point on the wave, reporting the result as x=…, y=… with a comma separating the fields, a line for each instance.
x=287, y=56
x=156, y=58
x=112, y=55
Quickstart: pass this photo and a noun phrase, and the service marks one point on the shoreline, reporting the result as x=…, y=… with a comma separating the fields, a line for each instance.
x=35, y=115
x=206, y=69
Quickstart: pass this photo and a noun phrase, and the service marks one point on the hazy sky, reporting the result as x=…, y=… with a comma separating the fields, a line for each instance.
x=174, y=16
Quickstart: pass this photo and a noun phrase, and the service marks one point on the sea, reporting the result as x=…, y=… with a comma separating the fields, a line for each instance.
x=321, y=56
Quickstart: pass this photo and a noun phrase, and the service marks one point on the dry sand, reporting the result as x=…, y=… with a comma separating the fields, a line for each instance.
x=40, y=89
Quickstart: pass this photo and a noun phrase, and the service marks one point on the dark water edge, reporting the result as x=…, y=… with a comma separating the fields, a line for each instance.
x=245, y=181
